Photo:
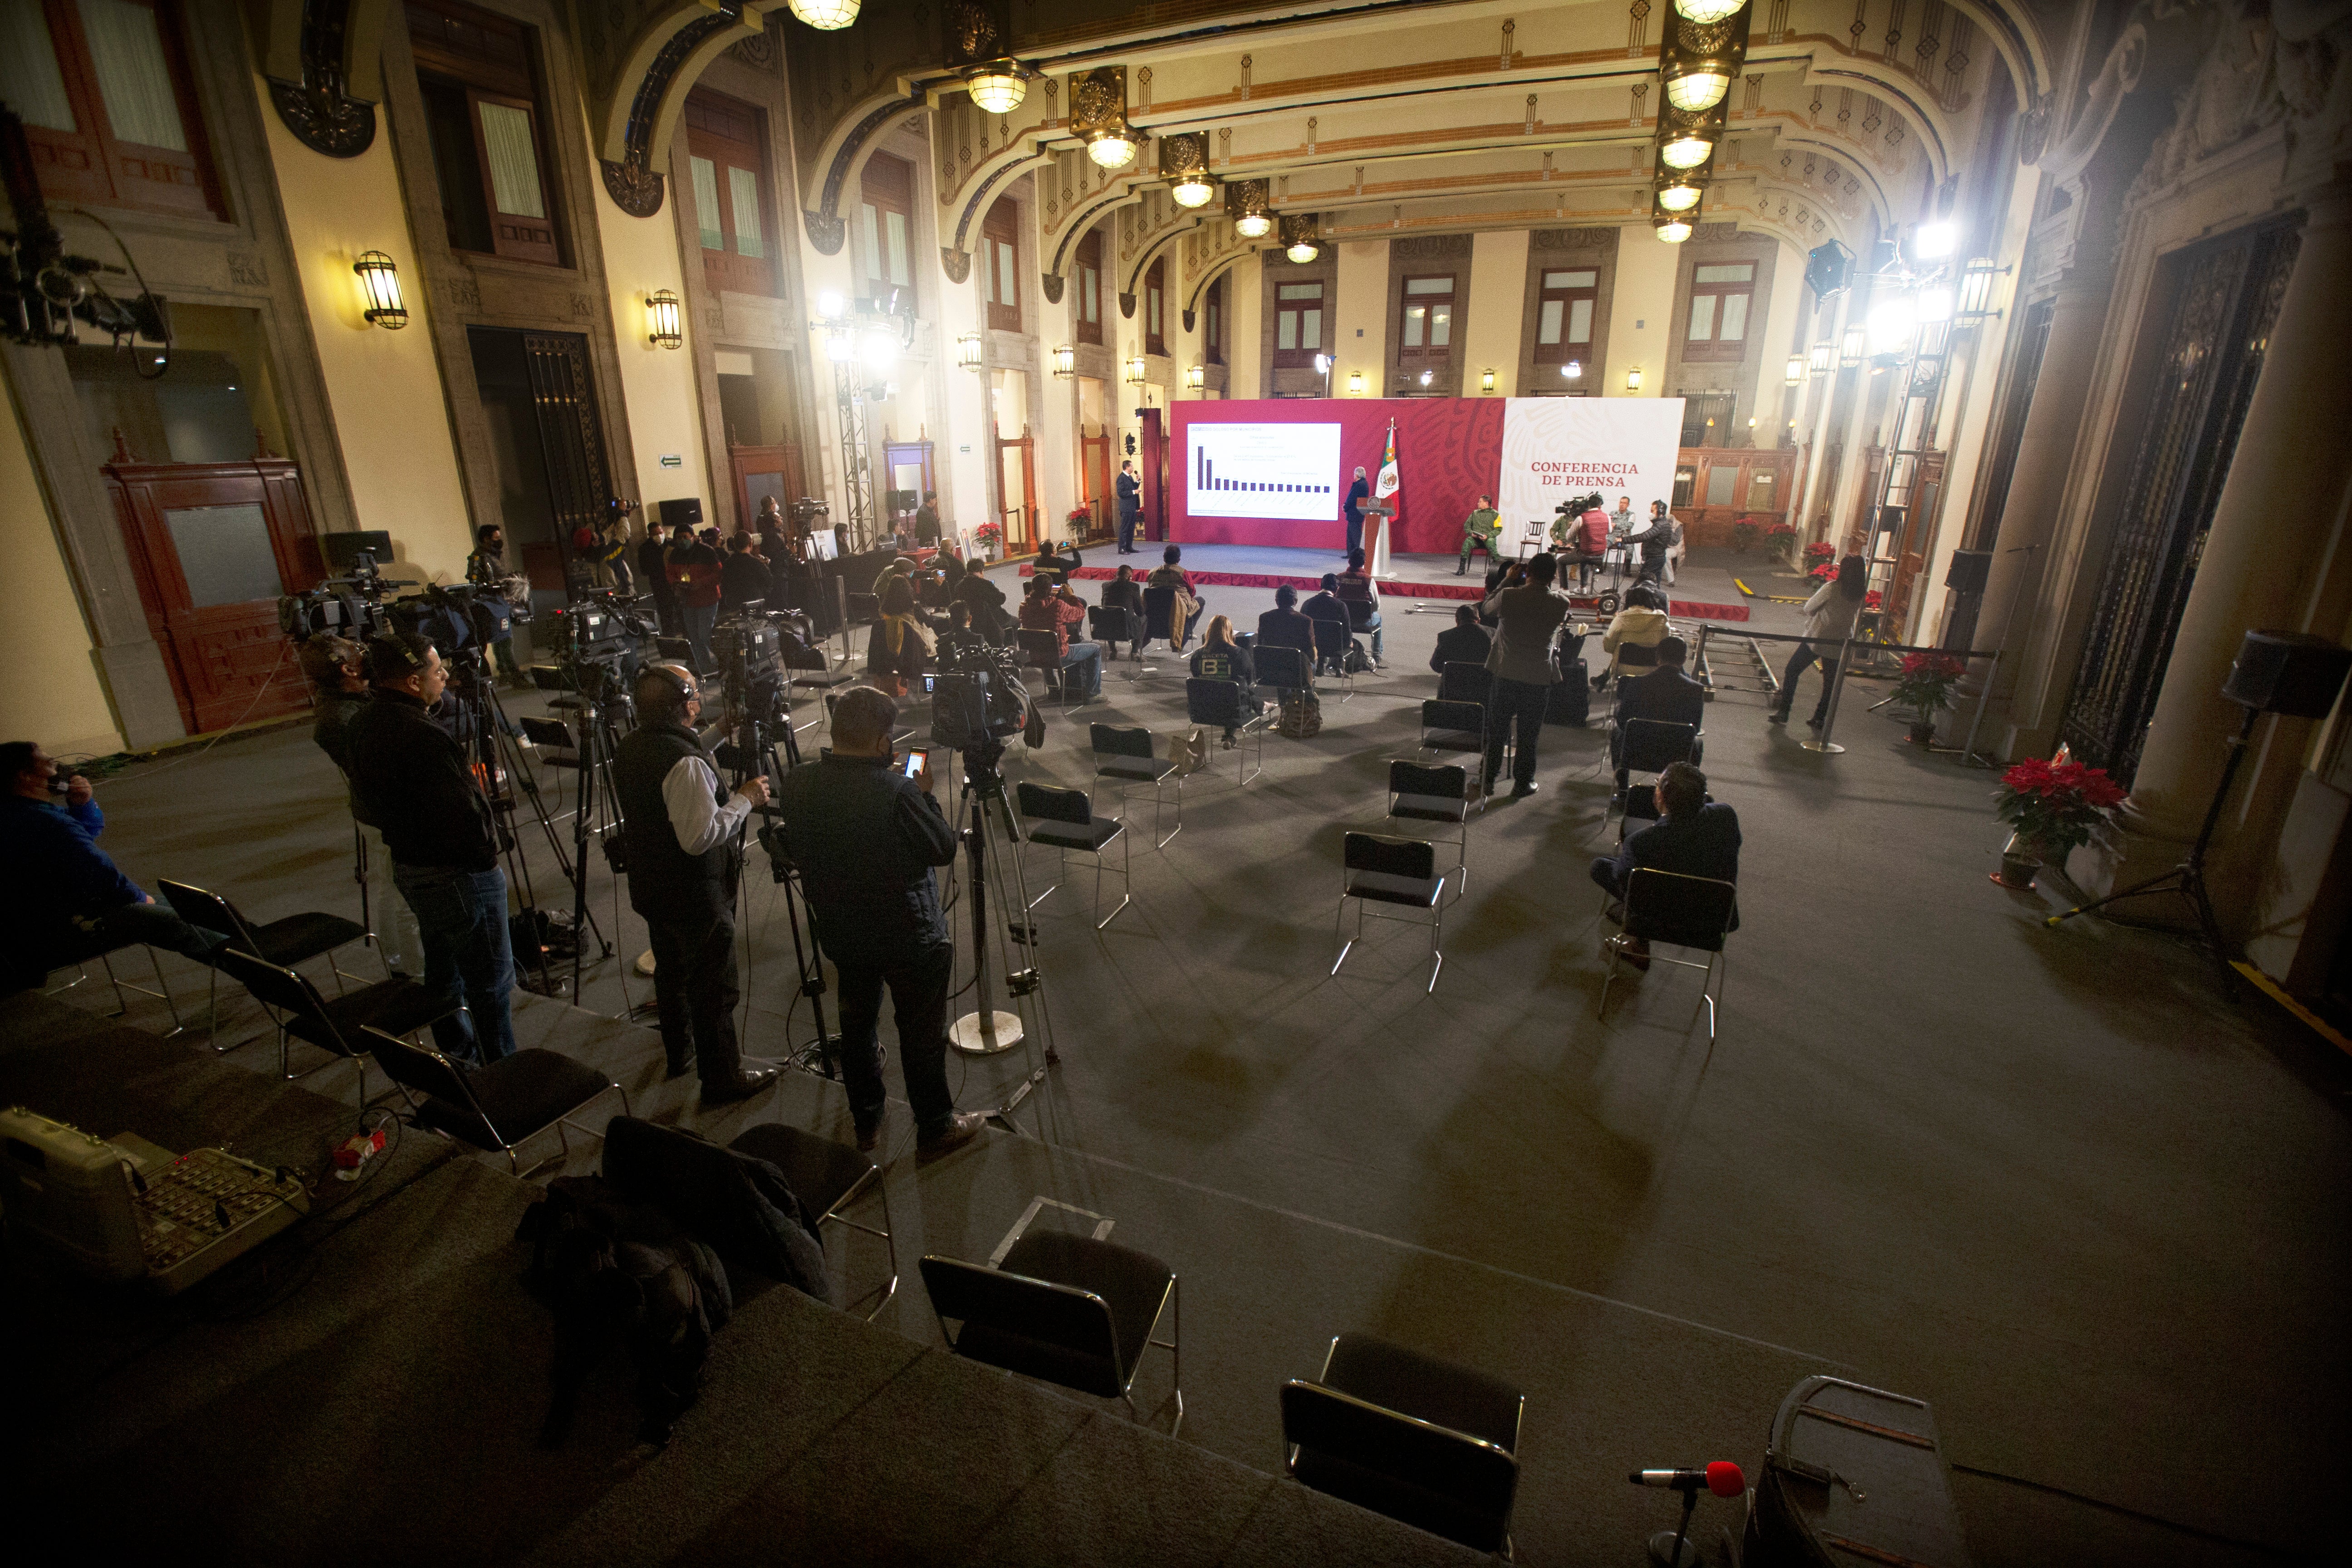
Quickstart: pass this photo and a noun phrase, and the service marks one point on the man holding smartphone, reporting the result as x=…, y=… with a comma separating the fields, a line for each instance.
x=682, y=838
x=866, y=835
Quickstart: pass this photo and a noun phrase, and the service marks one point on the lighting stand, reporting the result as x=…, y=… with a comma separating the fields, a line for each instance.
x=598, y=797
x=857, y=456
x=986, y=1031
x=2188, y=879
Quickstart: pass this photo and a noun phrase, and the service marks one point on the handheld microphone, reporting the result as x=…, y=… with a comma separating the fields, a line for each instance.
x=1722, y=1478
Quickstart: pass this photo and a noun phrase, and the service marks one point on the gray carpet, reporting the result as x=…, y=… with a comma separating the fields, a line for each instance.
x=2046, y=1180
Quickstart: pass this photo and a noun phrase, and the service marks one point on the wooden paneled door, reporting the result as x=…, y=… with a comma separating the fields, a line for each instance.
x=761, y=472
x=214, y=546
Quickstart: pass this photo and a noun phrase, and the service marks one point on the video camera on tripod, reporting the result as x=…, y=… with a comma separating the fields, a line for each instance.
x=750, y=650
x=597, y=641
x=979, y=701
x=352, y=605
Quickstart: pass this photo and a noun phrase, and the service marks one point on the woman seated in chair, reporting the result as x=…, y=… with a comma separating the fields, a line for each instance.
x=1124, y=593
x=901, y=645
x=1050, y=608
x=1222, y=659
x=1693, y=837
x=1634, y=633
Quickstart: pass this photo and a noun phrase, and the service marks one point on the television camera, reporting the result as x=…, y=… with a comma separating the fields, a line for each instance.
x=978, y=701
x=354, y=605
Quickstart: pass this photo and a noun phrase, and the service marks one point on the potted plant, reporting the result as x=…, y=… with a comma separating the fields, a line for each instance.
x=2054, y=805
x=1743, y=534
x=1782, y=535
x=1926, y=688
x=1080, y=522
x=988, y=536
x=1819, y=551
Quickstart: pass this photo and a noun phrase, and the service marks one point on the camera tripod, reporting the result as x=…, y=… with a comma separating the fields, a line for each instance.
x=986, y=1031
x=755, y=751
x=596, y=802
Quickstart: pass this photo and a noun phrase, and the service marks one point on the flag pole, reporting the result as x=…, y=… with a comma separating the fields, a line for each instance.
x=1378, y=565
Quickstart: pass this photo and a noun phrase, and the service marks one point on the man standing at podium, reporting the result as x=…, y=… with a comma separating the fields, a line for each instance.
x=1358, y=494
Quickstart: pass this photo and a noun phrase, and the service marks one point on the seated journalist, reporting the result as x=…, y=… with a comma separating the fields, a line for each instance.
x=1693, y=837
x=1463, y=642
x=1666, y=694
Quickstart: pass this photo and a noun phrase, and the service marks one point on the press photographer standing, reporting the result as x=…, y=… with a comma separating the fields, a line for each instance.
x=338, y=670
x=417, y=781
x=682, y=831
x=865, y=839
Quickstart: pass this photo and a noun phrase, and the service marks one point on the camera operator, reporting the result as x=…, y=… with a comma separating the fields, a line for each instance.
x=682, y=832
x=697, y=579
x=417, y=782
x=865, y=839
x=60, y=882
x=338, y=670
x=486, y=568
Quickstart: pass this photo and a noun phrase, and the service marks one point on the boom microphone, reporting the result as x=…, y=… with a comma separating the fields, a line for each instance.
x=1722, y=1478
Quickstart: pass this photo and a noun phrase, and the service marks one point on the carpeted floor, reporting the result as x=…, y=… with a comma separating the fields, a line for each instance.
x=2046, y=1180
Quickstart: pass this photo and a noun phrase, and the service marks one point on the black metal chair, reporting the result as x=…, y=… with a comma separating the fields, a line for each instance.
x=1695, y=913
x=1399, y=871
x=1361, y=613
x=1462, y=681
x=1219, y=703
x=828, y=1177
x=1440, y=794
x=1454, y=726
x=1066, y=1309
x=1159, y=616
x=1124, y=755
x=1428, y=1442
x=81, y=947
x=1043, y=650
x=498, y=1108
x=1332, y=642
x=1065, y=819
x=1282, y=668
x=291, y=942
x=1110, y=625
x=812, y=668
x=1650, y=746
x=395, y=1006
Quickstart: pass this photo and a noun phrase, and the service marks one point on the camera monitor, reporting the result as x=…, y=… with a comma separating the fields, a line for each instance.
x=342, y=549
x=823, y=545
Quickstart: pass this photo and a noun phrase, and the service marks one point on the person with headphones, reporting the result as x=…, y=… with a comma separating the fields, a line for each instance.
x=683, y=844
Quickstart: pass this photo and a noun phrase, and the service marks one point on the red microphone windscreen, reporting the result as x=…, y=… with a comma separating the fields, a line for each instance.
x=1724, y=1480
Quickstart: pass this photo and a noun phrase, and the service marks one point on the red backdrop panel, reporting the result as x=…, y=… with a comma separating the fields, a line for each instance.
x=1449, y=452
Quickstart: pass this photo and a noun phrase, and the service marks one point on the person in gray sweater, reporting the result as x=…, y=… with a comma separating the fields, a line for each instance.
x=1830, y=615
x=1528, y=611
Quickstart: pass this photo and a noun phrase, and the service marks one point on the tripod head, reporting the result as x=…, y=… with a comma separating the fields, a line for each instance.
x=979, y=765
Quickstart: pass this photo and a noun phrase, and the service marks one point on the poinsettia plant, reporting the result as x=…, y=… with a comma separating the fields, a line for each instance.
x=1927, y=682
x=1821, y=549
x=2057, y=805
x=1080, y=517
x=988, y=533
x=1780, y=527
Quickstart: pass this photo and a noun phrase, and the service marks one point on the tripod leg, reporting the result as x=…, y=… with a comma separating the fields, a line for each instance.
x=2193, y=883
x=2170, y=882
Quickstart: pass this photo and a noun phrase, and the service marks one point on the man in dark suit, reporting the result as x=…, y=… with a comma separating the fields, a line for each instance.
x=1463, y=642
x=1131, y=507
x=1327, y=606
x=1285, y=627
x=1693, y=837
x=1358, y=494
x=1666, y=694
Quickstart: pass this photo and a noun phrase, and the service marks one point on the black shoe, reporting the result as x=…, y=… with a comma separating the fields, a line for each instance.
x=1777, y=716
x=1521, y=792
x=1814, y=722
x=868, y=1137
x=743, y=1085
x=962, y=1129
x=680, y=1068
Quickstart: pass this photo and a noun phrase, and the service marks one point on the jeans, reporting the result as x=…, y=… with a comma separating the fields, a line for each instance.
x=1807, y=653
x=695, y=993
x=918, y=995
x=503, y=650
x=468, y=955
x=1524, y=702
x=700, y=619
x=156, y=925
x=397, y=942
x=1373, y=626
x=1083, y=661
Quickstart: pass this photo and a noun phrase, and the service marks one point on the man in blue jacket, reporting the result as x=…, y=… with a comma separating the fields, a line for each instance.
x=66, y=886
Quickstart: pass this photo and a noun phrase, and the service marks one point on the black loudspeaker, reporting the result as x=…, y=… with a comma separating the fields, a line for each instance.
x=2289, y=673
x=1968, y=570
x=686, y=513
x=1828, y=268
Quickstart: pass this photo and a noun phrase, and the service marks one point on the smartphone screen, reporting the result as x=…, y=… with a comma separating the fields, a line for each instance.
x=917, y=764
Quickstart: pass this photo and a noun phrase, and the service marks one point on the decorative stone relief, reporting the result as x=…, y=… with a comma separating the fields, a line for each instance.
x=245, y=270
x=826, y=234
x=956, y=263
x=1052, y=285
x=322, y=117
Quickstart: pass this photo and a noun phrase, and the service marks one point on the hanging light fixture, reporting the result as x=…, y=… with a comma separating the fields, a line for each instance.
x=1795, y=374
x=1099, y=116
x=662, y=325
x=997, y=87
x=1196, y=379
x=1066, y=362
x=1824, y=358
x=1699, y=59
x=1674, y=230
x=1687, y=138
x=1246, y=203
x=1975, y=300
x=1686, y=150
x=1698, y=86
x=1705, y=11
x=967, y=351
x=380, y=278
x=1298, y=241
x=1679, y=196
x=1184, y=162
x=1111, y=149
x=1633, y=379
x=825, y=15
x=1135, y=371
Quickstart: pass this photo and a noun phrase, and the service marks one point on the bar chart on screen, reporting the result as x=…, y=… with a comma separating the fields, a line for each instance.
x=1263, y=470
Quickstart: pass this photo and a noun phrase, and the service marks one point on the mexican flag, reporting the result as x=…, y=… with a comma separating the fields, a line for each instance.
x=1384, y=489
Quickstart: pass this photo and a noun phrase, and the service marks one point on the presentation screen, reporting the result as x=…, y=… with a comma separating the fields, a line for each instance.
x=1263, y=470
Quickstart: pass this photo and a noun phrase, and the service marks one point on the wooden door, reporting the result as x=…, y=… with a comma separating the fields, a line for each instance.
x=213, y=545
x=1016, y=471
x=572, y=444
x=763, y=471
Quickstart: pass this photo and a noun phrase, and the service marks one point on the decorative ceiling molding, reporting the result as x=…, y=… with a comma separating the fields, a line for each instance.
x=635, y=73
x=322, y=58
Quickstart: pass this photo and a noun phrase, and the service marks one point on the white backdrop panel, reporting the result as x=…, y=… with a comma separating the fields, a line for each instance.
x=1555, y=448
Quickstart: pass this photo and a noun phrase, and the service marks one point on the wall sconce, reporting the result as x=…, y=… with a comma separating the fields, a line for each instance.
x=1486, y=383
x=661, y=319
x=1066, y=362
x=1824, y=357
x=380, y=278
x=967, y=351
x=1795, y=374
x=1974, y=301
x=1355, y=383
x=1196, y=378
x=1135, y=371
x=1853, y=348
x=1633, y=379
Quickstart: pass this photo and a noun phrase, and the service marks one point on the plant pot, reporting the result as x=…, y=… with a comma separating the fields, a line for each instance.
x=1922, y=731
x=2017, y=871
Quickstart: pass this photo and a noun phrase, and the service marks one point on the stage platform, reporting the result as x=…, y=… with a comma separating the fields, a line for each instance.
x=1698, y=596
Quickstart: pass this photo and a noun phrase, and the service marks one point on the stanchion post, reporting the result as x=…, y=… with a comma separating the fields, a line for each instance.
x=1984, y=695
x=1825, y=745
x=1705, y=675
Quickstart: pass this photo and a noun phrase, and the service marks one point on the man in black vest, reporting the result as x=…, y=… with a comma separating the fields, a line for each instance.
x=683, y=831
x=865, y=839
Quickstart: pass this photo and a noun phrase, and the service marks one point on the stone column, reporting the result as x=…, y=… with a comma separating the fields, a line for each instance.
x=2264, y=555
x=2037, y=487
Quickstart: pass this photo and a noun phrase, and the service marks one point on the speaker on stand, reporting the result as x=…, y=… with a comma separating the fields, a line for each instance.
x=2291, y=674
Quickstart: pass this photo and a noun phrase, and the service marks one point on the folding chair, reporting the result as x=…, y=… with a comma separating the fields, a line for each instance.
x=1043, y=650
x=1159, y=616
x=498, y=1108
x=395, y=1006
x=828, y=1177
x=1125, y=755
x=1064, y=818
x=1110, y=624
x=1332, y=641
x=1454, y=726
x=1066, y=1309
x=1360, y=612
x=1650, y=746
x=1428, y=1442
x=1418, y=793
x=1462, y=681
x=811, y=669
x=1373, y=870
x=289, y=942
x=1219, y=702
x=1694, y=912
x=82, y=946
x=1282, y=668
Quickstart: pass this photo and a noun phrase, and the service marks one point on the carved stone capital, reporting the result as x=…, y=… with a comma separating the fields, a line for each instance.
x=956, y=263
x=635, y=189
x=1053, y=282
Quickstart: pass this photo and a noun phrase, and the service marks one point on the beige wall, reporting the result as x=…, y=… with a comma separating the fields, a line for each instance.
x=1363, y=307
x=1499, y=276
x=383, y=388
x=1244, y=292
x=52, y=694
x=1640, y=330
x=665, y=406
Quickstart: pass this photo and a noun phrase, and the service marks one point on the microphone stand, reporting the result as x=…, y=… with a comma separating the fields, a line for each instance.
x=1672, y=1554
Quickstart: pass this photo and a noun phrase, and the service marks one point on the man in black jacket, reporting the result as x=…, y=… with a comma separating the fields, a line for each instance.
x=865, y=839
x=338, y=670
x=744, y=578
x=1463, y=642
x=1665, y=695
x=653, y=559
x=1327, y=606
x=1693, y=837
x=683, y=854
x=1131, y=507
x=417, y=782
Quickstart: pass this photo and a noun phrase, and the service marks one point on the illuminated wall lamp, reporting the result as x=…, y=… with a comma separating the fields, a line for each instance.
x=1135, y=371
x=1633, y=379
x=661, y=319
x=1355, y=383
x=1196, y=378
x=1974, y=301
x=1853, y=348
x=380, y=278
x=1824, y=357
x=1066, y=362
x=1486, y=381
x=967, y=351
x=1795, y=374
